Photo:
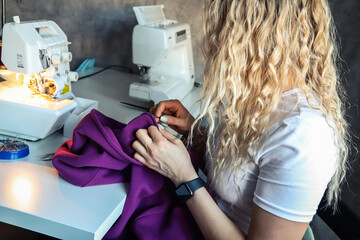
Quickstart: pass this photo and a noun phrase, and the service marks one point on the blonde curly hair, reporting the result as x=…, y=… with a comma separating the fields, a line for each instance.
x=254, y=51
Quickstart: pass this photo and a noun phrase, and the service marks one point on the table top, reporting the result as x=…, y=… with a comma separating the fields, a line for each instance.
x=35, y=197
x=111, y=88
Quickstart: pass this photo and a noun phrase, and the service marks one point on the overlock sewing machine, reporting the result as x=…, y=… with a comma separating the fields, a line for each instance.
x=35, y=92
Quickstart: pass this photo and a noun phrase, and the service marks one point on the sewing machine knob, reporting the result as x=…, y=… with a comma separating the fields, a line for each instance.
x=74, y=76
x=66, y=56
x=16, y=19
x=56, y=59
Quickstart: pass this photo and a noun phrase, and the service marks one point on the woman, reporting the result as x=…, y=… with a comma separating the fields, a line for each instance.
x=275, y=134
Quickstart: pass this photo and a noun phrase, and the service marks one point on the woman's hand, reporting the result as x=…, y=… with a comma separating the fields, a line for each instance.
x=164, y=153
x=174, y=114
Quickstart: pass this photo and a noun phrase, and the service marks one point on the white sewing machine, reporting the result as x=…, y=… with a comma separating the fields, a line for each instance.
x=162, y=50
x=36, y=97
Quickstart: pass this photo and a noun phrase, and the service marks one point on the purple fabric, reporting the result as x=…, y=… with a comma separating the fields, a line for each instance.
x=101, y=153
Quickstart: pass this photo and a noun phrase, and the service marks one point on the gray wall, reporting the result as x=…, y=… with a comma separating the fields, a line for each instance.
x=102, y=29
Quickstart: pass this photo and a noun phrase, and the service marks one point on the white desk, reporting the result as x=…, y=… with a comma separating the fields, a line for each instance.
x=111, y=87
x=33, y=196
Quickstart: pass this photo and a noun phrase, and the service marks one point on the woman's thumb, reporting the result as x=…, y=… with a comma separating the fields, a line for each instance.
x=171, y=120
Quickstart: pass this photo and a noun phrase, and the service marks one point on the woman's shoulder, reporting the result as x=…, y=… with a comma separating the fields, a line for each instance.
x=304, y=130
x=301, y=116
x=307, y=120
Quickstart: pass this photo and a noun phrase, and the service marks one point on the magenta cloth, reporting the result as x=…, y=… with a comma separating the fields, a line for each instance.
x=101, y=153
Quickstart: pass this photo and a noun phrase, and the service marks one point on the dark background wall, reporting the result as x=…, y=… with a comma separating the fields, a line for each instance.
x=347, y=18
x=102, y=30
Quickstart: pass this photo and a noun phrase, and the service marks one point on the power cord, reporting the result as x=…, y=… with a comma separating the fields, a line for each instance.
x=105, y=68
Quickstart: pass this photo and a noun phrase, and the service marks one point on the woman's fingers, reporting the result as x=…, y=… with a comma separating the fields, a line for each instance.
x=144, y=138
x=174, y=114
x=158, y=109
x=157, y=112
x=162, y=135
x=154, y=134
x=139, y=157
x=171, y=138
x=143, y=157
x=170, y=120
x=164, y=153
x=140, y=150
x=166, y=107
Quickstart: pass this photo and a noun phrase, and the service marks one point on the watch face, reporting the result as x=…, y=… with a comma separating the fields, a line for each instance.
x=183, y=192
x=186, y=190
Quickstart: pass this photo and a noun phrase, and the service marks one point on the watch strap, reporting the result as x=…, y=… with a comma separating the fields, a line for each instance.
x=187, y=189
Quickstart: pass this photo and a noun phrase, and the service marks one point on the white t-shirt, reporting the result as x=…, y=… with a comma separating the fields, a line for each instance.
x=290, y=172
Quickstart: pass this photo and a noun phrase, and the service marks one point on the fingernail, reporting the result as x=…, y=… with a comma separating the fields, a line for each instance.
x=161, y=126
x=163, y=119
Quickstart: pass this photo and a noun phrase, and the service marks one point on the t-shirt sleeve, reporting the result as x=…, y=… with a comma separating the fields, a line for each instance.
x=295, y=165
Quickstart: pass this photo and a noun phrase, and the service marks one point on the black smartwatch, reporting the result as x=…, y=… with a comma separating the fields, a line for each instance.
x=187, y=189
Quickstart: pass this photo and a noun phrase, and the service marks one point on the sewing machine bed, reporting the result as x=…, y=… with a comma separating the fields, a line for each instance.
x=33, y=119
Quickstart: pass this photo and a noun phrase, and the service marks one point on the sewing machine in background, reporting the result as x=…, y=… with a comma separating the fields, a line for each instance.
x=35, y=93
x=163, y=52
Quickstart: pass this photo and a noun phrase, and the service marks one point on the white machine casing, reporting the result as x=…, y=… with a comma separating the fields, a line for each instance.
x=31, y=121
x=164, y=46
x=38, y=47
x=35, y=48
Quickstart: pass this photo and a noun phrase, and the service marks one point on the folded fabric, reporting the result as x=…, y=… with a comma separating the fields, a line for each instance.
x=101, y=153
